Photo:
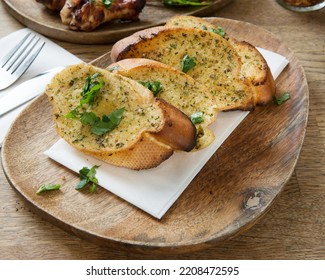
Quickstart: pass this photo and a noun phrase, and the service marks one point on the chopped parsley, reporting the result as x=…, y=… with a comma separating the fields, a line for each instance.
x=197, y=117
x=154, y=86
x=91, y=90
x=220, y=31
x=107, y=3
x=89, y=93
x=281, y=99
x=107, y=123
x=99, y=126
x=48, y=187
x=187, y=63
x=88, y=176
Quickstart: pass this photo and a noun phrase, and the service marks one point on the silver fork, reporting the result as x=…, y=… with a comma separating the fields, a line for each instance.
x=18, y=60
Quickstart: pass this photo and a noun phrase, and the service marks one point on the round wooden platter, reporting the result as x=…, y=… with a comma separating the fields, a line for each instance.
x=233, y=190
x=35, y=16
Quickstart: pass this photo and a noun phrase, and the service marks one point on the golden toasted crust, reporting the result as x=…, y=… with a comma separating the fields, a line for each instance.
x=254, y=66
x=178, y=131
x=148, y=133
x=195, y=22
x=255, y=69
x=177, y=88
x=217, y=66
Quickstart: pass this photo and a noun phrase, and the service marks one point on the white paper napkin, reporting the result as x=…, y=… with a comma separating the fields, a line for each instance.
x=50, y=57
x=155, y=190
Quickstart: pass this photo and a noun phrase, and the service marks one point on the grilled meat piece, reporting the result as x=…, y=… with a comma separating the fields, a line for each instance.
x=86, y=15
x=53, y=5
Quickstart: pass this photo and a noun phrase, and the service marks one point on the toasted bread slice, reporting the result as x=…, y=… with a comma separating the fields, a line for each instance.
x=178, y=89
x=205, y=56
x=254, y=66
x=256, y=69
x=197, y=23
x=149, y=129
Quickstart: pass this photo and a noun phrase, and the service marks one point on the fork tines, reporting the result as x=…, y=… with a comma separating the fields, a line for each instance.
x=14, y=58
x=18, y=60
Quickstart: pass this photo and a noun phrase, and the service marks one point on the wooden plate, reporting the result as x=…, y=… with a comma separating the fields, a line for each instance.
x=36, y=17
x=233, y=190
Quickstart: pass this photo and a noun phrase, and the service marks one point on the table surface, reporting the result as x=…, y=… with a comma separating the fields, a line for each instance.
x=294, y=227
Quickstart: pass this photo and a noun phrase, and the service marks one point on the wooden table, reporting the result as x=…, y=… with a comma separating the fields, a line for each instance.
x=294, y=228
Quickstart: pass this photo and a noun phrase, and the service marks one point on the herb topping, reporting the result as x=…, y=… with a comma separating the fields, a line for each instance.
x=154, y=86
x=49, y=187
x=197, y=117
x=187, y=63
x=281, y=99
x=88, y=176
x=107, y=3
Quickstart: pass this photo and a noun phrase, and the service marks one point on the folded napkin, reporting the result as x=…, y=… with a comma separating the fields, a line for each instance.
x=50, y=57
x=155, y=190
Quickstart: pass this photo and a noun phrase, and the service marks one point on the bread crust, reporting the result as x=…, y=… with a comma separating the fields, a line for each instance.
x=256, y=69
x=123, y=47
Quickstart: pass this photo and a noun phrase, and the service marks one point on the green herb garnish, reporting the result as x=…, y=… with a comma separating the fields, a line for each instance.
x=197, y=117
x=107, y=3
x=154, y=86
x=89, y=93
x=281, y=99
x=49, y=187
x=91, y=90
x=220, y=31
x=187, y=63
x=107, y=123
x=99, y=126
x=88, y=176
x=186, y=2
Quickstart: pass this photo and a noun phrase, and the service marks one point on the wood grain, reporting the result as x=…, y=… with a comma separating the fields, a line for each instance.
x=36, y=17
x=293, y=228
x=233, y=190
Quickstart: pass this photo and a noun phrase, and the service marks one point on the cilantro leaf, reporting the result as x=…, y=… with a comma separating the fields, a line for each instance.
x=154, y=86
x=281, y=99
x=88, y=176
x=197, y=117
x=107, y=3
x=187, y=63
x=49, y=187
x=89, y=96
x=89, y=92
x=89, y=118
x=99, y=126
x=82, y=183
x=220, y=31
x=88, y=81
x=74, y=114
x=107, y=123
